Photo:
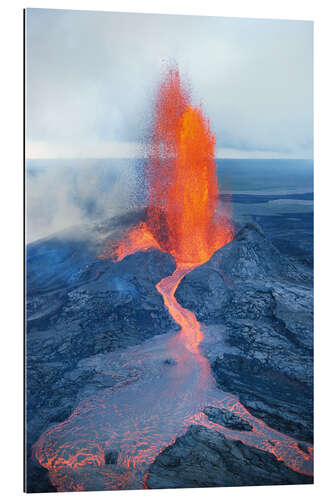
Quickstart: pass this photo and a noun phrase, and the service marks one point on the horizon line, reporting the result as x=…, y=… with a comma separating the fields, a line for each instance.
x=61, y=158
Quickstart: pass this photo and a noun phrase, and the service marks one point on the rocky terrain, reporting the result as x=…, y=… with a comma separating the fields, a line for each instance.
x=203, y=458
x=255, y=305
x=79, y=305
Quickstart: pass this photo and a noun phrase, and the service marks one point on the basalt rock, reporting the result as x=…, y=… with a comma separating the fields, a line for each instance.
x=259, y=305
x=227, y=419
x=78, y=306
x=204, y=458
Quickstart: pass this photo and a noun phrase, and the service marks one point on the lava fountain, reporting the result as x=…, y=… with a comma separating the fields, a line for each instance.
x=183, y=214
x=140, y=418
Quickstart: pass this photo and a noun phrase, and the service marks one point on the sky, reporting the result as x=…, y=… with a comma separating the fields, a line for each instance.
x=91, y=78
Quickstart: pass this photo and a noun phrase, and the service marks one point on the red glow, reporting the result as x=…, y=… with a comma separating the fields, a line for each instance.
x=183, y=216
x=138, y=239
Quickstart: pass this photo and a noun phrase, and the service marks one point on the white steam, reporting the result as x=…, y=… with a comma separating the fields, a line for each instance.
x=60, y=196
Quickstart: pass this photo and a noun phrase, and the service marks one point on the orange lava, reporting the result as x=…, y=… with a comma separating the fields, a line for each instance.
x=190, y=327
x=183, y=215
x=138, y=239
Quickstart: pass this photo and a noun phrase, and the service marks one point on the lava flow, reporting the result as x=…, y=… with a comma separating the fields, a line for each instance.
x=137, y=419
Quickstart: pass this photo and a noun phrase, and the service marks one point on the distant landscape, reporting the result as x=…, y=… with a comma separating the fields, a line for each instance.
x=61, y=193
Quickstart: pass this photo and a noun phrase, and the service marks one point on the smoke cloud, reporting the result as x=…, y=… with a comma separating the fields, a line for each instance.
x=92, y=76
x=63, y=194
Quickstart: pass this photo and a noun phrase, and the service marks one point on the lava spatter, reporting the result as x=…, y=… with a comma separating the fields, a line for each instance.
x=184, y=217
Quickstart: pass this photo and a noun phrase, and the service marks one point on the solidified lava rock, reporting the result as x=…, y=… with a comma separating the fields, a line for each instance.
x=37, y=478
x=170, y=362
x=111, y=457
x=227, y=419
x=204, y=292
x=204, y=458
x=259, y=303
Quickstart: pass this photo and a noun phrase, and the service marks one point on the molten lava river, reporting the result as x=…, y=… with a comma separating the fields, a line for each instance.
x=165, y=383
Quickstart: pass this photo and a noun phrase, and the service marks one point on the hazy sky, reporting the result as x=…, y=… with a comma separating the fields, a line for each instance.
x=91, y=78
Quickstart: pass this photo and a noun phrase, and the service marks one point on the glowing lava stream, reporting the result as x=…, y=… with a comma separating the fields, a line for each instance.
x=261, y=436
x=139, y=419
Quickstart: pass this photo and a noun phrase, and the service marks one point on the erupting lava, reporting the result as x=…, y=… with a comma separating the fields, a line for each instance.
x=183, y=216
x=139, y=419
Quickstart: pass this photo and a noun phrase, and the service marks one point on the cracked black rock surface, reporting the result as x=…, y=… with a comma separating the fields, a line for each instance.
x=203, y=458
x=258, y=305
